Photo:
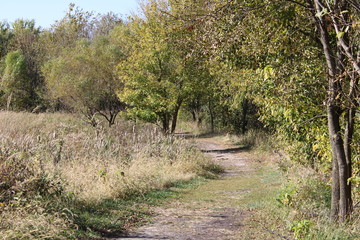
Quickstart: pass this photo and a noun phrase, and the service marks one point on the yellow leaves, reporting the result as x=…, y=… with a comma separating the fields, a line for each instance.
x=268, y=72
x=321, y=146
x=340, y=34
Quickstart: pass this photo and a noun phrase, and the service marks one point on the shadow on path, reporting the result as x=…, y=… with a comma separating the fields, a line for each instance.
x=133, y=235
x=228, y=150
x=187, y=135
x=144, y=237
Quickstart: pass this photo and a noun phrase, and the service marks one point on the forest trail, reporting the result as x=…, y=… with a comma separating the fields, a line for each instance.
x=219, y=209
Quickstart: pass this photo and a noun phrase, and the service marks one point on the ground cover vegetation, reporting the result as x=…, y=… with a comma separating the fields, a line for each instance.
x=289, y=67
x=60, y=176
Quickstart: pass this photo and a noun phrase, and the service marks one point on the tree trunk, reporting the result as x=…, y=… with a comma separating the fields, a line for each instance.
x=245, y=106
x=174, y=121
x=212, y=127
x=349, y=132
x=341, y=193
x=338, y=151
x=165, y=123
x=112, y=119
x=175, y=116
x=335, y=190
x=193, y=115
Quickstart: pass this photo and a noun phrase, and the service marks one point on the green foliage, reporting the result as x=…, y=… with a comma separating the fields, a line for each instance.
x=5, y=38
x=285, y=197
x=301, y=228
x=303, y=205
x=159, y=74
x=16, y=82
x=82, y=36
x=271, y=60
x=84, y=78
x=23, y=84
x=150, y=83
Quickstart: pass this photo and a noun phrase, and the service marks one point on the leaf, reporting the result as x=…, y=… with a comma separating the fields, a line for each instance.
x=322, y=13
x=340, y=34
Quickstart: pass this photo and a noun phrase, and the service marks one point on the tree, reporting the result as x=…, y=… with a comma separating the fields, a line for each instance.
x=65, y=33
x=16, y=82
x=277, y=56
x=22, y=38
x=5, y=37
x=279, y=40
x=160, y=72
x=103, y=24
x=84, y=78
x=149, y=74
x=339, y=35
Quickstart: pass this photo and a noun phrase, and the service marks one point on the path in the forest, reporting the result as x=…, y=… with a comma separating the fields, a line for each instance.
x=218, y=209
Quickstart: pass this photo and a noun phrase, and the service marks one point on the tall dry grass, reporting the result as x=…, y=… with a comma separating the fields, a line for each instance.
x=46, y=157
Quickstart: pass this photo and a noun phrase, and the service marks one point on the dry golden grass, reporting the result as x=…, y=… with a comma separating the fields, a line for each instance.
x=56, y=154
x=20, y=224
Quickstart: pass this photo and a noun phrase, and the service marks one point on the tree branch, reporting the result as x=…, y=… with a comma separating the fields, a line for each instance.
x=344, y=45
x=356, y=5
x=313, y=118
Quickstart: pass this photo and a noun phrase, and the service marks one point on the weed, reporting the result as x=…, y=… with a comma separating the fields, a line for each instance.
x=65, y=173
x=285, y=197
x=301, y=228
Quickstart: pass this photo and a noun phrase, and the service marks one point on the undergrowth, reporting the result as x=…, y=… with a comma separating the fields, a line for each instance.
x=61, y=179
x=301, y=208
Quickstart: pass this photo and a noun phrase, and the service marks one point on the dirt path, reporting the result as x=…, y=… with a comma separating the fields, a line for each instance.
x=218, y=209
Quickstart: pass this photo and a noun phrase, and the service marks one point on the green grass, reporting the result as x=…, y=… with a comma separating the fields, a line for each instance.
x=251, y=191
x=241, y=191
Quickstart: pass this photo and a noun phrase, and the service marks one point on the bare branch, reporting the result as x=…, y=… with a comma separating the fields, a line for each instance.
x=355, y=4
x=313, y=118
x=344, y=45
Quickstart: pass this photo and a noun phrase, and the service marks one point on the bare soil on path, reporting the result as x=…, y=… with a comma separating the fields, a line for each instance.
x=218, y=209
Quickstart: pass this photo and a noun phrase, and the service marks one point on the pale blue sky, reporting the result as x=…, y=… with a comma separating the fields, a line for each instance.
x=46, y=12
